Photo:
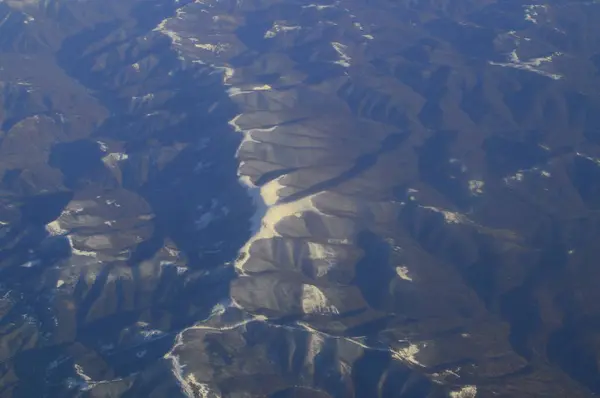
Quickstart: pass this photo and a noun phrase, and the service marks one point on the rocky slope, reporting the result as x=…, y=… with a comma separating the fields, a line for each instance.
x=291, y=199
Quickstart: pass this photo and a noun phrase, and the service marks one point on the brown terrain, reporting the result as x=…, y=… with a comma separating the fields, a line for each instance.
x=364, y=199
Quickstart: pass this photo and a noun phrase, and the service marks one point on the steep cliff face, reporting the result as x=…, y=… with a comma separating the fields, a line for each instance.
x=294, y=199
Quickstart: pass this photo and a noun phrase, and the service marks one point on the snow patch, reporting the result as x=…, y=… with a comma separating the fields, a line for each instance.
x=203, y=389
x=476, y=187
x=162, y=28
x=325, y=257
x=532, y=12
x=465, y=392
x=78, y=252
x=402, y=272
x=409, y=353
x=315, y=302
x=144, y=98
x=315, y=346
x=449, y=216
x=531, y=65
x=214, y=48
x=279, y=28
x=103, y=146
x=112, y=159
x=270, y=212
x=341, y=50
x=590, y=158
x=519, y=176
x=55, y=229
x=234, y=91
x=319, y=6
x=31, y=264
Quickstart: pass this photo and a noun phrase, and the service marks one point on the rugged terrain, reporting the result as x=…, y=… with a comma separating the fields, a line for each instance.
x=366, y=198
